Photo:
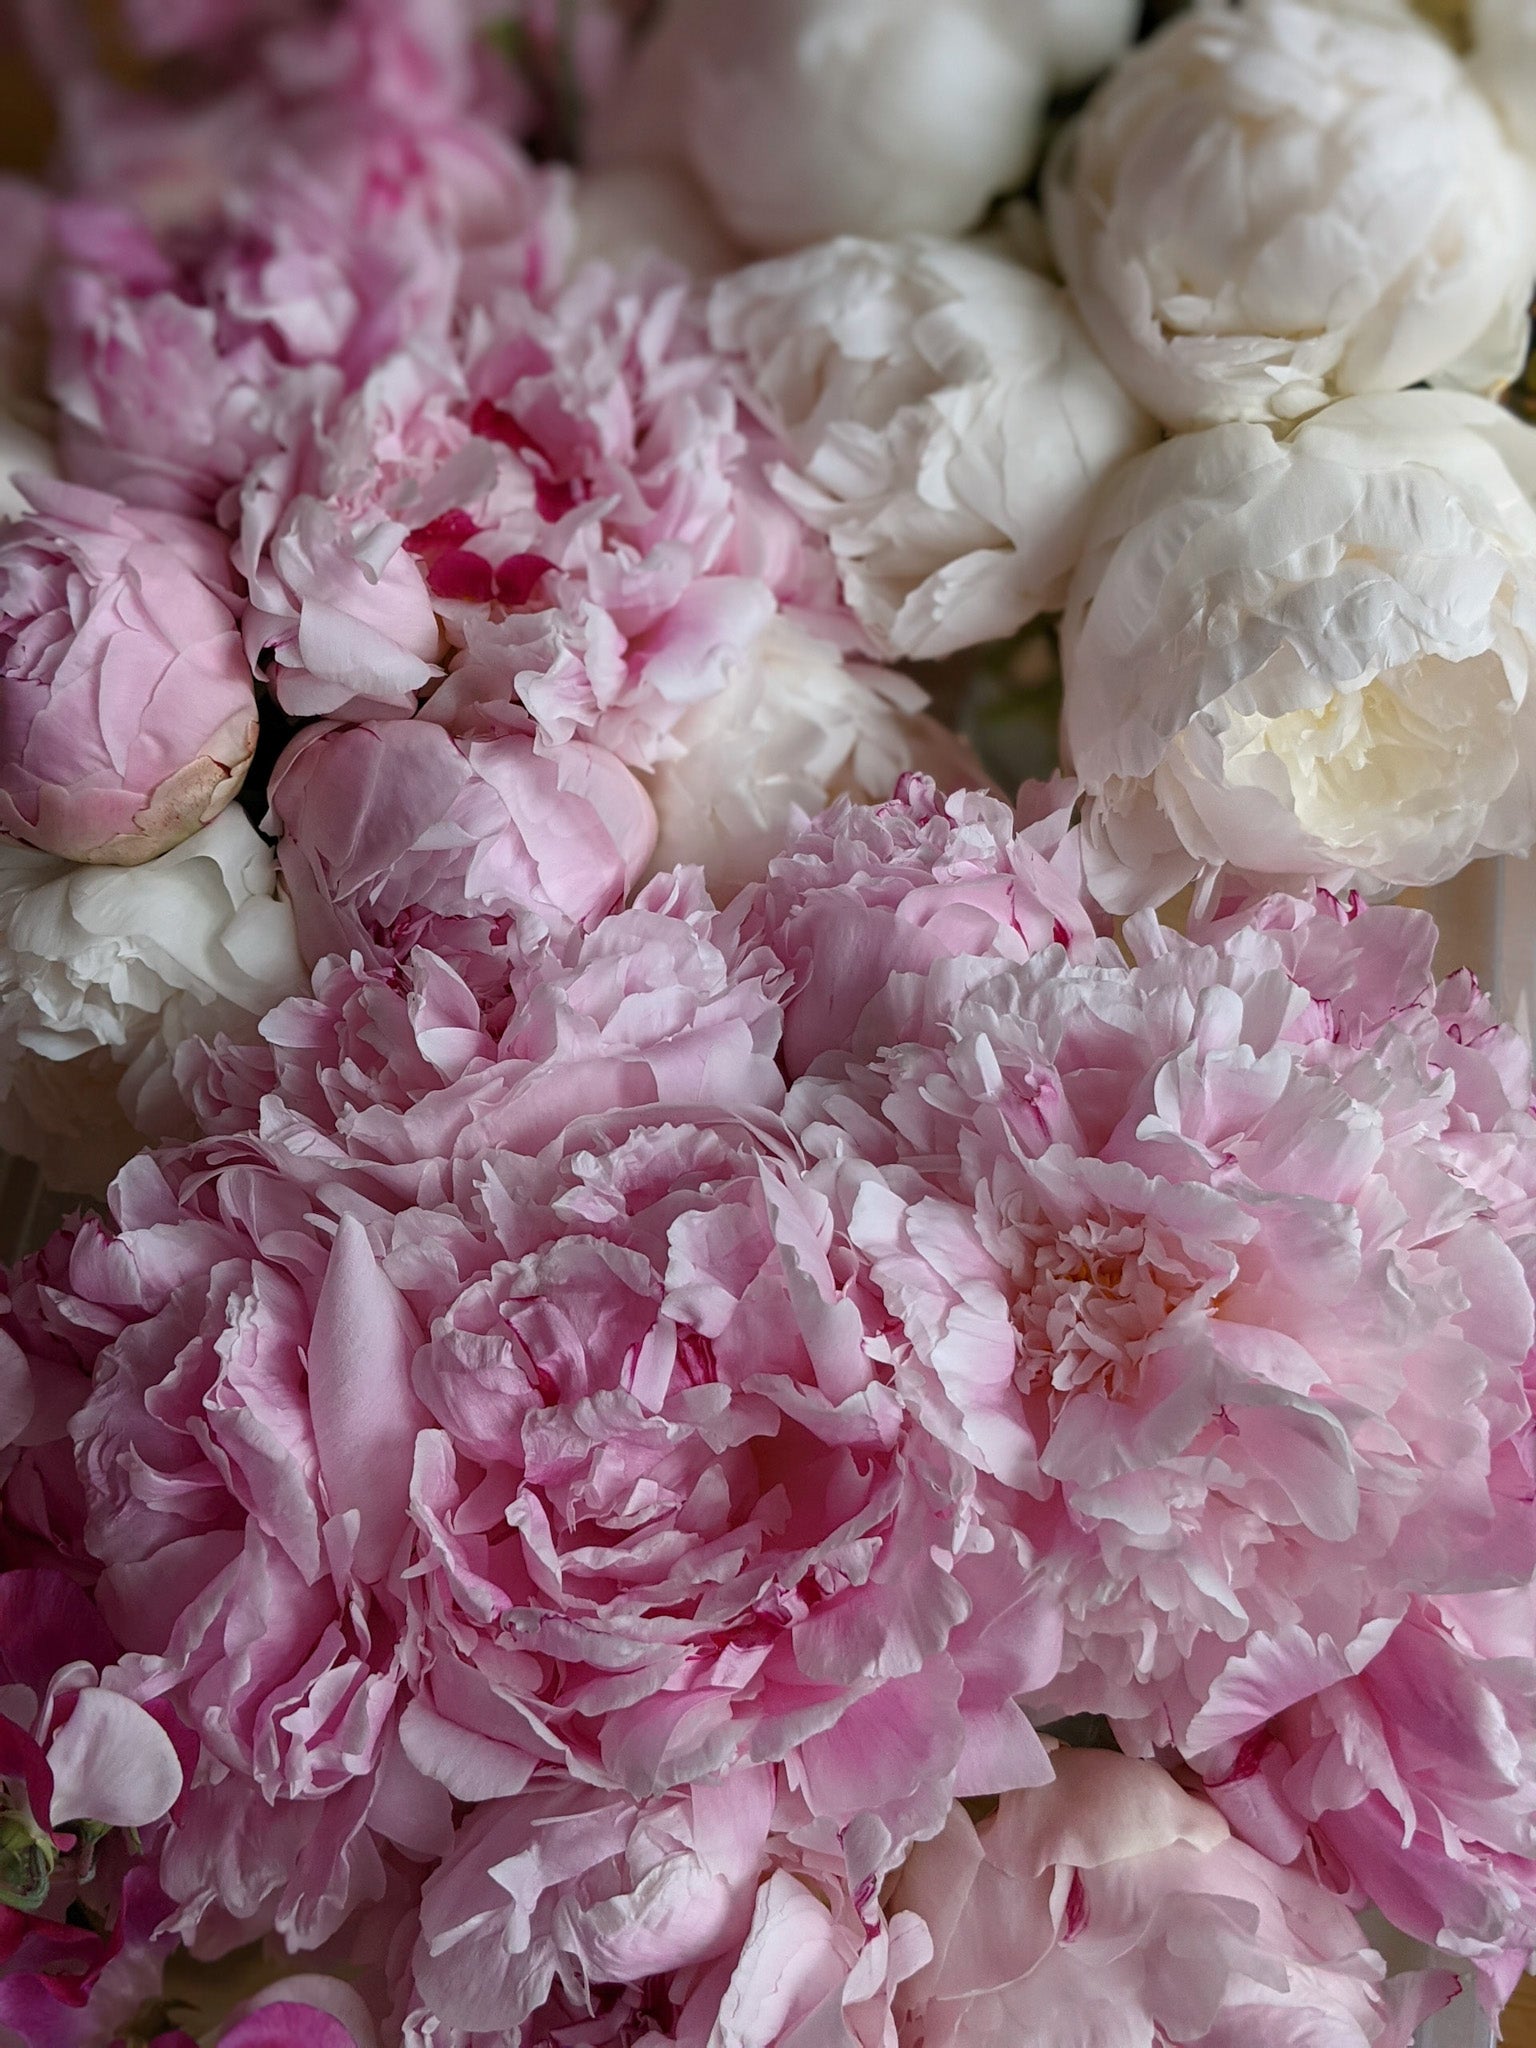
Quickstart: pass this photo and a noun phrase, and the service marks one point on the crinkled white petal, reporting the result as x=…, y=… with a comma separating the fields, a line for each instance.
x=948, y=421
x=1310, y=658
x=1281, y=203
x=794, y=728
x=105, y=971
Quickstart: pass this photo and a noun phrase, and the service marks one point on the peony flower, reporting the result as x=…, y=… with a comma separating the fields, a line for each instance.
x=1113, y=1906
x=1277, y=204
x=793, y=728
x=720, y=1541
x=567, y=1887
x=127, y=716
x=947, y=423
x=663, y=1002
x=324, y=1606
x=1309, y=658
x=585, y=513
x=104, y=972
x=1218, y=1262
x=339, y=234
x=1409, y=1785
x=808, y=118
x=395, y=835
x=866, y=900
x=566, y=1910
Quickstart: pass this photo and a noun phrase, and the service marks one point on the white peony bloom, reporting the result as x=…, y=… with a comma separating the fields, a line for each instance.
x=1503, y=62
x=1310, y=658
x=1271, y=206
x=105, y=971
x=949, y=423
x=808, y=118
x=794, y=728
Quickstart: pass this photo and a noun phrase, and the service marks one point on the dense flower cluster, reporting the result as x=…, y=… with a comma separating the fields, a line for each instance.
x=719, y=1394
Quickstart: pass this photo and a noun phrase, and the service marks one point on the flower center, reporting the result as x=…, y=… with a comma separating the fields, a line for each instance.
x=1096, y=1298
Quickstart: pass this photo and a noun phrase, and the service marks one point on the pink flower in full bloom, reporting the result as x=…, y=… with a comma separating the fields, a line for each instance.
x=1413, y=1785
x=1218, y=1259
x=1113, y=1906
x=867, y=898
x=396, y=836
x=585, y=511
x=605, y=1469
x=127, y=713
x=567, y=1914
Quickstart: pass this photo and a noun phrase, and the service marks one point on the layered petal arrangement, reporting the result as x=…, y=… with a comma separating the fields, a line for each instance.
x=722, y=1381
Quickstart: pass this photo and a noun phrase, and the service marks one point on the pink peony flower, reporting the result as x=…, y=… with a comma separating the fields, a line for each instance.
x=127, y=715
x=718, y=1540
x=586, y=514
x=867, y=896
x=336, y=238
x=1112, y=1906
x=1413, y=1785
x=567, y=1915
x=1218, y=1261
x=662, y=1003
x=396, y=836
x=567, y=1887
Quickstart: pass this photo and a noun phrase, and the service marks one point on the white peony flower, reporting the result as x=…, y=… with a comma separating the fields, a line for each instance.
x=808, y=118
x=794, y=728
x=105, y=971
x=949, y=422
x=1310, y=658
x=1274, y=205
x=1503, y=62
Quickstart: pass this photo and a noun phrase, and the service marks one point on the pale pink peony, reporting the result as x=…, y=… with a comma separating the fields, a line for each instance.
x=660, y=1004
x=394, y=836
x=1413, y=1785
x=585, y=512
x=1112, y=1908
x=1218, y=1260
x=127, y=713
x=866, y=897
x=720, y=1538
x=567, y=1915
x=568, y=1887
x=182, y=361
x=578, y=1272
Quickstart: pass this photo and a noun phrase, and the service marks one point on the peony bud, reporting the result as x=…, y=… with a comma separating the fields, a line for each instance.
x=127, y=712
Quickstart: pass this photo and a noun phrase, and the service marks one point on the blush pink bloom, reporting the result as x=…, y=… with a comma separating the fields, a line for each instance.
x=568, y=1915
x=394, y=835
x=1111, y=1906
x=585, y=512
x=182, y=361
x=1218, y=1259
x=257, y=1569
x=868, y=895
x=127, y=713
x=567, y=1887
x=717, y=1539
x=1413, y=1785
